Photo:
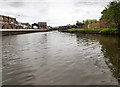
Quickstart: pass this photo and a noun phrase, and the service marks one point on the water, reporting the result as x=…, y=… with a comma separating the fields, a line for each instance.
x=55, y=58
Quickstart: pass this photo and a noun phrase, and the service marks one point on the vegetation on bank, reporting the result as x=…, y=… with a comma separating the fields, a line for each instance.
x=111, y=18
x=109, y=31
x=111, y=14
x=97, y=30
x=80, y=29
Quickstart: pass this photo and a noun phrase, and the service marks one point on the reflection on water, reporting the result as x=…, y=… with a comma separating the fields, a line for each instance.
x=54, y=58
x=0, y=59
x=110, y=50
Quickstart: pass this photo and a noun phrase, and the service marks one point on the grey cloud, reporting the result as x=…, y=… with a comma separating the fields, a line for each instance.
x=55, y=12
x=16, y=4
x=77, y=4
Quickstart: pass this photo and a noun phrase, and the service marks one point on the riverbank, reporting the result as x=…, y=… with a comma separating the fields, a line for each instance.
x=20, y=31
x=109, y=31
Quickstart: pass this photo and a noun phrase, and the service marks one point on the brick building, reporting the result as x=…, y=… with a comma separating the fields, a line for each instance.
x=103, y=25
x=7, y=22
x=100, y=24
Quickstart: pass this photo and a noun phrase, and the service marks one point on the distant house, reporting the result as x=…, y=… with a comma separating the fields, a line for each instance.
x=42, y=25
x=26, y=25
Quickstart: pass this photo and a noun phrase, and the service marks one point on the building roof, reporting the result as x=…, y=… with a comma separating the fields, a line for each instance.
x=7, y=16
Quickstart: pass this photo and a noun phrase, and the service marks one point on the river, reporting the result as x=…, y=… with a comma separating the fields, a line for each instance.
x=56, y=58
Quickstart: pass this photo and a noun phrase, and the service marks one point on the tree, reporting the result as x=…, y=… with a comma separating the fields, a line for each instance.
x=83, y=22
x=86, y=22
x=79, y=24
x=90, y=21
x=111, y=13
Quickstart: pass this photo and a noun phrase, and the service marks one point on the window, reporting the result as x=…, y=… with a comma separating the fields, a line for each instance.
x=1, y=18
x=13, y=20
x=6, y=19
x=9, y=19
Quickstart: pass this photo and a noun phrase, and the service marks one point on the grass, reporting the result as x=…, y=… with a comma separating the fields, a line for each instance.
x=73, y=29
x=109, y=31
x=100, y=30
x=78, y=29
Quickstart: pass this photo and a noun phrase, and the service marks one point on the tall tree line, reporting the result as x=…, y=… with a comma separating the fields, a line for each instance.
x=111, y=13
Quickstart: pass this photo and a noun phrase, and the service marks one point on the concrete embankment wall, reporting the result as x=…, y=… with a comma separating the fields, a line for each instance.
x=0, y=26
x=16, y=31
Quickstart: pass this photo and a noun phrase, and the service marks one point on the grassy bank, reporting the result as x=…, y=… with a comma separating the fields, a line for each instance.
x=109, y=31
x=96, y=30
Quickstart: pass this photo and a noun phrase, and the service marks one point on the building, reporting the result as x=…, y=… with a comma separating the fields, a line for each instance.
x=103, y=25
x=42, y=25
x=7, y=22
x=100, y=24
x=39, y=25
x=26, y=25
x=94, y=25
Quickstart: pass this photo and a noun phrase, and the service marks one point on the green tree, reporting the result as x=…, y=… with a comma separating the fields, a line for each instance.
x=83, y=22
x=86, y=22
x=90, y=21
x=79, y=24
x=111, y=13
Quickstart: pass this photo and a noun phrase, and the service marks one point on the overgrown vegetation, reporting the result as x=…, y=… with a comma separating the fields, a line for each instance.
x=109, y=31
x=97, y=30
x=111, y=13
x=78, y=29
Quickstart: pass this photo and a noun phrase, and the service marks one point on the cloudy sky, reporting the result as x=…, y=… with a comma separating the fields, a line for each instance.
x=55, y=12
